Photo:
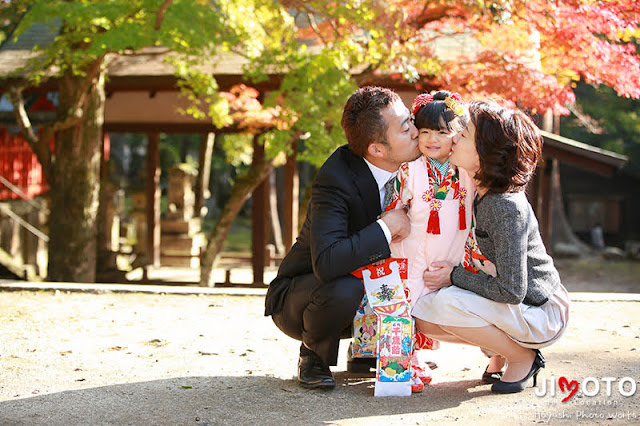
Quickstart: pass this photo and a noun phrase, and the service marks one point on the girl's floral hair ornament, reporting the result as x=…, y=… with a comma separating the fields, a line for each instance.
x=420, y=101
x=455, y=103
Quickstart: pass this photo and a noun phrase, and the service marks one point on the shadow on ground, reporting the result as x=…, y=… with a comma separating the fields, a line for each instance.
x=235, y=400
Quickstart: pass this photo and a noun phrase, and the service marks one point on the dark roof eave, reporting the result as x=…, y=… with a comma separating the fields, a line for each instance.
x=584, y=150
x=156, y=83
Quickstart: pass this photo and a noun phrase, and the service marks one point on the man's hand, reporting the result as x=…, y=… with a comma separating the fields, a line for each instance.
x=438, y=275
x=398, y=224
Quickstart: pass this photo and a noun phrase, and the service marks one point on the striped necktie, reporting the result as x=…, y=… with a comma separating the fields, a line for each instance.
x=388, y=194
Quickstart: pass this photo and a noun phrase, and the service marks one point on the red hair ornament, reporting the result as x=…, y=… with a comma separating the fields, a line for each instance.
x=420, y=101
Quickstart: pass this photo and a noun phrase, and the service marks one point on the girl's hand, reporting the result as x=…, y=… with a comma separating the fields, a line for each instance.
x=438, y=275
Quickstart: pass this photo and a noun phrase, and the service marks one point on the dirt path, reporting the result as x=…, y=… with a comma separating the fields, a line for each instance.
x=214, y=359
x=594, y=274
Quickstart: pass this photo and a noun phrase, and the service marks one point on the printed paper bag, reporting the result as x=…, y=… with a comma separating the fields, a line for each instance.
x=365, y=322
x=384, y=290
x=365, y=331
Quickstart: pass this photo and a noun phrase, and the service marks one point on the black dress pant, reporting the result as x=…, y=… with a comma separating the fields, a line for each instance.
x=320, y=314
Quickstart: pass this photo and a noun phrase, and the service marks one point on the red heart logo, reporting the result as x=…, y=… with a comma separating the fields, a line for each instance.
x=571, y=386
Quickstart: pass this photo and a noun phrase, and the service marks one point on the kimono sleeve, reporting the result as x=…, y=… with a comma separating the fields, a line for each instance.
x=402, y=195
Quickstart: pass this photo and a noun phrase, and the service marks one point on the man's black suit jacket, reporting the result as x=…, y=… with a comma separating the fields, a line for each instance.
x=340, y=233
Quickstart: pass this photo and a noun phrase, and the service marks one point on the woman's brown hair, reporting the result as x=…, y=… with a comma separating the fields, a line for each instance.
x=509, y=146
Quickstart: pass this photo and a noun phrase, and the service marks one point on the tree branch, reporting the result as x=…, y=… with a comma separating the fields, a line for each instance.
x=40, y=146
x=74, y=114
x=22, y=118
x=156, y=51
x=335, y=28
x=160, y=14
x=240, y=52
x=314, y=27
x=436, y=13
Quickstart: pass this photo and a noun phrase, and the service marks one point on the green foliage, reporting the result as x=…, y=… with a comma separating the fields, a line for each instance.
x=607, y=121
x=239, y=238
x=91, y=29
x=312, y=95
x=89, y=33
x=201, y=90
x=179, y=149
x=238, y=149
x=259, y=25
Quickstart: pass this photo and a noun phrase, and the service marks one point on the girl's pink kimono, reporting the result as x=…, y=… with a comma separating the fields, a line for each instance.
x=440, y=218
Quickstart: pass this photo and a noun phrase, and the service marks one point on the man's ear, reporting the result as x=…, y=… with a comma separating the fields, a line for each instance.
x=376, y=150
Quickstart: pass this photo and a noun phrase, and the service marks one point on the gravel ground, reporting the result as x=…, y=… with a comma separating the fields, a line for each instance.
x=134, y=358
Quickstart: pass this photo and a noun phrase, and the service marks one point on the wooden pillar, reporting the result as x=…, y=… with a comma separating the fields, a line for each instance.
x=532, y=187
x=535, y=189
x=275, y=229
x=106, y=152
x=554, y=217
x=103, y=237
x=544, y=200
x=153, y=199
x=291, y=199
x=207, y=141
x=543, y=211
x=258, y=219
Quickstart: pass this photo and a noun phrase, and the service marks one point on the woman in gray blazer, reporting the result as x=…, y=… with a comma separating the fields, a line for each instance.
x=507, y=299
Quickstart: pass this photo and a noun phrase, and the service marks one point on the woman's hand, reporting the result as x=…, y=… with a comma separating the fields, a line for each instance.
x=438, y=275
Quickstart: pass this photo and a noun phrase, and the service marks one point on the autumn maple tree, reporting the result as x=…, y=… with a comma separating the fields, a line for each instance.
x=527, y=52
x=589, y=41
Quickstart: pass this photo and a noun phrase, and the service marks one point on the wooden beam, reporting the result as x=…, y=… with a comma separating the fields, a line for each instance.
x=258, y=219
x=153, y=199
x=291, y=199
x=150, y=127
x=153, y=83
x=579, y=161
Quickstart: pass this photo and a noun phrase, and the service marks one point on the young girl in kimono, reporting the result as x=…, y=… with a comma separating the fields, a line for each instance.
x=438, y=198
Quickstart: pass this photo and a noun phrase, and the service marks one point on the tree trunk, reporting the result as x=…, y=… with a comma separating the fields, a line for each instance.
x=75, y=185
x=561, y=231
x=242, y=189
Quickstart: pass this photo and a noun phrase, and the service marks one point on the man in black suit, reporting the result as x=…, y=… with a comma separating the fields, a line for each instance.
x=314, y=297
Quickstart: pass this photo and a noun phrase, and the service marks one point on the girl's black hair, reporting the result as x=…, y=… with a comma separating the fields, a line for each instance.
x=436, y=115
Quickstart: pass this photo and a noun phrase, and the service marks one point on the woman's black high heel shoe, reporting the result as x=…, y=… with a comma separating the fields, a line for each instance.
x=491, y=377
x=519, y=386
